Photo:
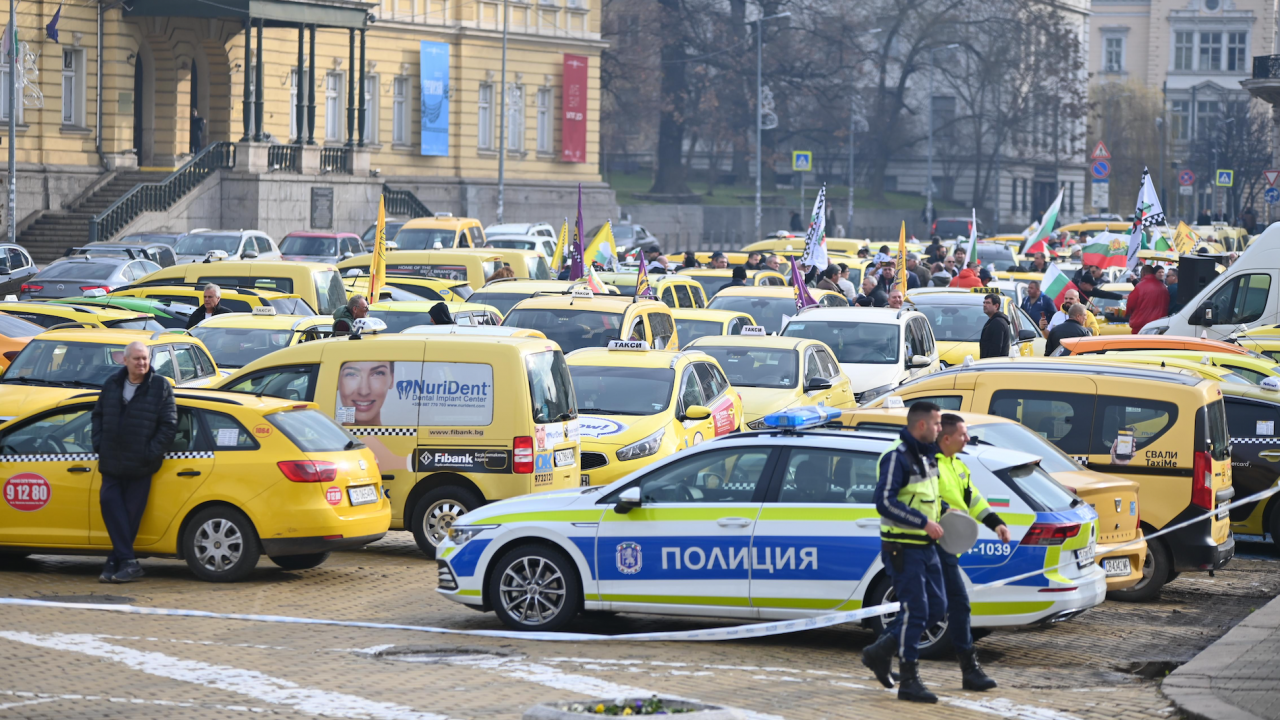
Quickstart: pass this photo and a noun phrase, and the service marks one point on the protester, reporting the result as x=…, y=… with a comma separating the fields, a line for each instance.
x=346, y=315
x=997, y=335
x=968, y=277
x=719, y=261
x=984, y=274
x=690, y=260
x=651, y=254
x=1249, y=220
x=660, y=266
x=949, y=265
x=439, y=314
x=1039, y=264
x=1074, y=326
x=872, y=295
x=132, y=425
x=846, y=286
x=1089, y=290
x=739, y=278
x=940, y=276
x=753, y=261
x=772, y=263
x=1171, y=281
x=797, y=225
x=895, y=298
x=1148, y=301
x=960, y=254
x=935, y=252
x=212, y=306
x=827, y=278
x=502, y=273
x=918, y=269
x=1037, y=305
x=863, y=253
x=1069, y=298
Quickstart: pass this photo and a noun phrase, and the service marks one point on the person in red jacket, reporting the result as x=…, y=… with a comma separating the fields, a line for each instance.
x=1148, y=301
x=968, y=277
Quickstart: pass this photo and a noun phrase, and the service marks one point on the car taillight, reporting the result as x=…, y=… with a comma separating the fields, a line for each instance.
x=85, y=288
x=522, y=455
x=32, y=288
x=1050, y=533
x=308, y=471
x=1202, y=481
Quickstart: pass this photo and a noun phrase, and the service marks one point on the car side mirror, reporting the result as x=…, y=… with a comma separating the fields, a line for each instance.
x=918, y=361
x=697, y=412
x=1203, y=315
x=1025, y=334
x=818, y=384
x=627, y=501
x=249, y=254
x=348, y=255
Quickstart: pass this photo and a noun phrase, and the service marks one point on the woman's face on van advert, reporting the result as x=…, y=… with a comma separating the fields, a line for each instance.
x=364, y=386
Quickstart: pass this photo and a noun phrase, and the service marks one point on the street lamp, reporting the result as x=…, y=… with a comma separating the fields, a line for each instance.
x=502, y=119
x=760, y=105
x=1164, y=200
x=1214, y=177
x=928, y=180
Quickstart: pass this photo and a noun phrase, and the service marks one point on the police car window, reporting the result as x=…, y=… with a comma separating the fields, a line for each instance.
x=1147, y=419
x=829, y=477
x=1064, y=419
x=719, y=476
x=162, y=363
x=690, y=389
x=1037, y=488
x=290, y=383
x=227, y=433
x=64, y=431
x=1251, y=420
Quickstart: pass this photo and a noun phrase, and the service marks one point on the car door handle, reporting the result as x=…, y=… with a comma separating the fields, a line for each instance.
x=733, y=522
x=79, y=468
x=189, y=473
x=1272, y=455
x=867, y=522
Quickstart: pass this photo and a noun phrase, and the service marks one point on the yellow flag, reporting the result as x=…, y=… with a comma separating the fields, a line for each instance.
x=603, y=248
x=562, y=244
x=1184, y=239
x=378, y=265
x=902, y=259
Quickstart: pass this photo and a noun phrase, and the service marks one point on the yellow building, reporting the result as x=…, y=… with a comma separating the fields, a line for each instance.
x=180, y=74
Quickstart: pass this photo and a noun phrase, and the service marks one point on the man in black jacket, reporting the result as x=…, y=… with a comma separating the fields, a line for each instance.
x=212, y=306
x=996, y=334
x=1074, y=326
x=133, y=424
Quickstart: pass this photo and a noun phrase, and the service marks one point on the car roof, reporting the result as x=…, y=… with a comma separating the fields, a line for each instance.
x=424, y=306
x=1153, y=342
x=864, y=440
x=1195, y=356
x=1252, y=392
x=706, y=314
x=877, y=316
x=437, y=221
x=111, y=259
x=632, y=358
x=111, y=336
x=333, y=235
x=1167, y=364
x=717, y=272
x=265, y=322
x=761, y=291
x=765, y=342
x=597, y=303
x=900, y=414
x=107, y=313
x=1067, y=366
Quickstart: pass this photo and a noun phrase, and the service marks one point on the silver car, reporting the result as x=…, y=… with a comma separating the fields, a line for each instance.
x=226, y=245
x=74, y=276
x=320, y=247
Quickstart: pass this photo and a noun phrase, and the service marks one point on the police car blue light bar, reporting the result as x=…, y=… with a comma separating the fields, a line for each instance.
x=802, y=417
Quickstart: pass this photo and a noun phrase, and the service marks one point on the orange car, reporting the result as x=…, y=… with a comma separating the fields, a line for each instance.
x=1104, y=343
x=15, y=333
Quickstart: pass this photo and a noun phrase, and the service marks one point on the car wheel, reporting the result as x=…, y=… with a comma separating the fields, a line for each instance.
x=535, y=587
x=936, y=641
x=301, y=562
x=1157, y=570
x=1275, y=527
x=221, y=545
x=436, y=512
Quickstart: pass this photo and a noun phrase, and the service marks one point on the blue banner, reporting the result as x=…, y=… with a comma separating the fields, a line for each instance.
x=434, y=64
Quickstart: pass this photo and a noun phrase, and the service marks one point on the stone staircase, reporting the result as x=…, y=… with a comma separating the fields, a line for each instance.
x=47, y=238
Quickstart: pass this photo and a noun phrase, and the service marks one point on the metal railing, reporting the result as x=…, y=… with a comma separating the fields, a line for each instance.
x=335, y=159
x=284, y=157
x=1266, y=67
x=404, y=204
x=159, y=196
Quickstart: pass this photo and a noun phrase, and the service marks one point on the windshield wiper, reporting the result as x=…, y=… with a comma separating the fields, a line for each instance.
x=602, y=411
x=34, y=381
x=81, y=383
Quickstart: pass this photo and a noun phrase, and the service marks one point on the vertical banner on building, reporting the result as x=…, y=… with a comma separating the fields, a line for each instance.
x=573, y=130
x=434, y=64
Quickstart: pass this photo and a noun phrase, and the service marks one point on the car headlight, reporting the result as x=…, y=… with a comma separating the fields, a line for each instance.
x=756, y=424
x=460, y=534
x=873, y=393
x=1154, y=330
x=643, y=448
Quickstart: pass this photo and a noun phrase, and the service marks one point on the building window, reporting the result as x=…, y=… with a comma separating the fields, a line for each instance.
x=400, y=111
x=295, y=131
x=1180, y=119
x=579, y=4
x=1113, y=60
x=1208, y=113
x=4, y=94
x=515, y=117
x=1237, y=50
x=333, y=106
x=544, y=120
x=371, y=109
x=1210, y=51
x=944, y=116
x=73, y=87
x=484, y=117
x=1183, y=50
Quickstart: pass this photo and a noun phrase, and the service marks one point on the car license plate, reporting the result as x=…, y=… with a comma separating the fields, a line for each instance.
x=586, y=480
x=1116, y=567
x=363, y=494
x=1084, y=557
x=1221, y=514
x=564, y=457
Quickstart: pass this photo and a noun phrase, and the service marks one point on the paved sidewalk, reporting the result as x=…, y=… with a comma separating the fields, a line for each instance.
x=1237, y=677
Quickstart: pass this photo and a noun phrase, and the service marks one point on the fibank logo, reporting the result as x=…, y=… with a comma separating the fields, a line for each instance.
x=442, y=458
x=407, y=389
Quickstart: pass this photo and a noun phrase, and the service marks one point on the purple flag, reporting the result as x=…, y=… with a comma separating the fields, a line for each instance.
x=803, y=298
x=576, y=268
x=643, y=288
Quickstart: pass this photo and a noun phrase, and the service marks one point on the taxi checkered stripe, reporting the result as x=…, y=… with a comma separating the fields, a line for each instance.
x=1255, y=440
x=1082, y=459
x=67, y=457
x=193, y=455
x=382, y=430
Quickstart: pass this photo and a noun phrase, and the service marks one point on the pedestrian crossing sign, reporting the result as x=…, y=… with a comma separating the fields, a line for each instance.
x=1226, y=178
x=801, y=160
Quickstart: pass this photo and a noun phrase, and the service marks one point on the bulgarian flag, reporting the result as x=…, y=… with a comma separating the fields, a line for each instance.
x=1056, y=283
x=594, y=282
x=1159, y=243
x=1036, y=243
x=1106, y=249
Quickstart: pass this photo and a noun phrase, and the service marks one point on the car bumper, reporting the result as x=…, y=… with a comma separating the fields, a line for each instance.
x=281, y=547
x=1016, y=605
x=1193, y=548
x=1137, y=555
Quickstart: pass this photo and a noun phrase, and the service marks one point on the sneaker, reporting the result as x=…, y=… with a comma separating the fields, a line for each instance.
x=128, y=572
x=108, y=571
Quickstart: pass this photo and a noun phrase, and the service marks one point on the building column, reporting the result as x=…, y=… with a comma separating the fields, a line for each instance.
x=257, y=101
x=351, y=86
x=248, y=82
x=300, y=107
x=311, y=91
x=360, y=116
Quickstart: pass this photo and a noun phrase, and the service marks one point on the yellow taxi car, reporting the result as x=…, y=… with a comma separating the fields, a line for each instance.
x=49, y=315
x=1253, y=369
x=1113, y=318
x=676, y=291
x=318, y=284
x=693, y=324
x=59, y=363
x=957, y=319
x=237, y=339
x=473, y=268
x=15, y=333
x=1115, y=226
x=581, y=319
x=235, y=299
x=418, y=287
x=503, y=294
x=637, y=406
x=441, y=232
x=774, y=373
x=714, y=280
x=768, y=304
x=1207, y=371
x=1264, y=340
x=528, y=264
x=244, y=476
x=401, y=315
x=1121, y=552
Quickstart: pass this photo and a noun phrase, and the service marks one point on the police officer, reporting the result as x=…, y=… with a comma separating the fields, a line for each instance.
x=910, y=505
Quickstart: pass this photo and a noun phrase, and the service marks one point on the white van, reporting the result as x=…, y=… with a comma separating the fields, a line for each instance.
x=1246, y=294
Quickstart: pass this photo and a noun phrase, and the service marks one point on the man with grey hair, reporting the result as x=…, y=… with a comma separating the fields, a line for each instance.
x=212, y=306
x=346, y=316
x=1074, y=326
x=132, y=426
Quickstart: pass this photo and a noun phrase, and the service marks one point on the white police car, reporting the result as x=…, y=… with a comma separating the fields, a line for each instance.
x=775, y=524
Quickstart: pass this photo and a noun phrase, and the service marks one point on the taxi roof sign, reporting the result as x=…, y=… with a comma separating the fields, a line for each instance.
x=754, y=330
x=893, y=401
x=266, y=310
x=802, y=417
x=628, y=345
x=582, y=291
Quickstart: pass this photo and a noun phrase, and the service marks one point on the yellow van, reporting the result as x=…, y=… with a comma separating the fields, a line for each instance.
x=439, y=233
x=677, y=291
x=235, y=299
x=713, y=280
x=317, y=283
x=455, y=421
x=580, y=319
x=474, y=268
x=527, y=264
x=1165, y=430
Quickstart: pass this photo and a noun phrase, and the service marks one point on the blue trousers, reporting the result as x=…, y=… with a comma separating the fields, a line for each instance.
x=918, y=583
x=123, y=501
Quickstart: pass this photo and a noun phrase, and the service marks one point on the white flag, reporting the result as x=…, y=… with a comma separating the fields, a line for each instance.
x=971, y=245
x=1147, y=213
x=815, y=241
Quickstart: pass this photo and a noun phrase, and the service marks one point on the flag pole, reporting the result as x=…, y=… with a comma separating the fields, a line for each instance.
x=13, y=119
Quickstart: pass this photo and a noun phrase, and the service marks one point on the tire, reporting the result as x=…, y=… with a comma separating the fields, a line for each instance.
x=1157, y=570
x=1274, y=527
x=936, y=641
x=301, y=562
x=436, y=511
x=556, y=599
x=221, y=545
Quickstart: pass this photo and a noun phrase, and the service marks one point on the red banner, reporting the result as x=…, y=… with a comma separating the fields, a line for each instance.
x=573, y=130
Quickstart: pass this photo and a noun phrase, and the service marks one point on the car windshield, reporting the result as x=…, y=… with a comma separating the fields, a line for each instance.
x=537, y=267
x=512, y=244
x=201, y=244
x=502, y=301
x=72, y=363
x=571, y=329
x=1037, y=488
x=550, y=387
x=13, y=327
x=853, y=342
x=330, y=292
x=1016, y=436
x=288, y=306
x=302, y=245
x=276, y=284
x=312, y=431
x=1110, y=304
x=424, y=238
x=951, y=228
x=711, y=284
x=622, y=390
x=77, y=270
x=997, y=257
x=690, y=330
x=143, y=323
x=756, y=367
x=237, y=347
x=768, y=312
x=146, y=238
x=954, y=323
x=398, y=320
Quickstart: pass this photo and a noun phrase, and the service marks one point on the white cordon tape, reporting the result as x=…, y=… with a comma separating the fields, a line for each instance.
x=736, y=632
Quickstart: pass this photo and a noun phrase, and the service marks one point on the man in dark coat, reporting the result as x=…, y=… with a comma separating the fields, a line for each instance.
x=872, y=295
x=739, y=278
x=996, y=334
x=133, y=424
x=1074, y=326
x=212, y=306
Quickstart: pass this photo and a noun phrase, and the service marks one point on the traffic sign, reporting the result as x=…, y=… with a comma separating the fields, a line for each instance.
x=1225, y=178
x=1271, y=176
x=1101, y=194
x=1100, y=152
x=1186, y=190
x=1186, y=177
x=801, y=160
x=1100, y=169
x=1272, y=195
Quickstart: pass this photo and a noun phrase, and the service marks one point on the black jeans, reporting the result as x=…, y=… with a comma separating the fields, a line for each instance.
x=123, y=501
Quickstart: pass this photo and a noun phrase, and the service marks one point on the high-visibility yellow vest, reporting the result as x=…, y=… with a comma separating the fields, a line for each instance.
x=921, y=492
